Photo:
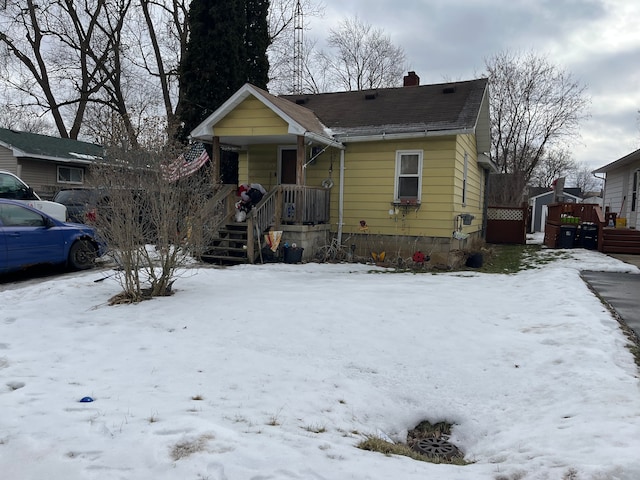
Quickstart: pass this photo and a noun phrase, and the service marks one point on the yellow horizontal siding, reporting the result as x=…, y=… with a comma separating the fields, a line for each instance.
x=370, y=182
x=251, y=117
x=369, y=178
x=263, y=161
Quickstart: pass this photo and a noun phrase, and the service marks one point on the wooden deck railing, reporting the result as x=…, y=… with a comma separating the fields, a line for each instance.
x=304, y=205
x=291, y=204
x=586, y=212
x=583, y=212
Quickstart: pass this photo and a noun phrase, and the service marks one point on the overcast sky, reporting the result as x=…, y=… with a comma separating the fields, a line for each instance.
x=597, y=41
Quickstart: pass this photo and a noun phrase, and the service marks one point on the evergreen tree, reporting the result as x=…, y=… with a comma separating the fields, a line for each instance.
x=257, y=42
x=226, y=48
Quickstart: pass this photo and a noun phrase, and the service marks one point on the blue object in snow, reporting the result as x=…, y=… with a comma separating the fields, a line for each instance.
x=86, y=399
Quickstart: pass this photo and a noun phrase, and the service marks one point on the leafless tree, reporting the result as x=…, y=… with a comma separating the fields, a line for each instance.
x=535, y=107
x=582, y=177
x=106, y=70
x=362, y=57
x=68, y=57
x=553, y=165
x=160, y=39
x=282, y=40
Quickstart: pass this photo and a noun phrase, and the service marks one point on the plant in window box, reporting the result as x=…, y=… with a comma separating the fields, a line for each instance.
x=408, y=202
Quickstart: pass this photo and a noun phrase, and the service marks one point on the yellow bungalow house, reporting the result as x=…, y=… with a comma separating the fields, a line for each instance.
x=395, y=169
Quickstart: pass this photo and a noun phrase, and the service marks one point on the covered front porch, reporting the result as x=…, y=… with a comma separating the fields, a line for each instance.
x=300, y=212
x=286, y=150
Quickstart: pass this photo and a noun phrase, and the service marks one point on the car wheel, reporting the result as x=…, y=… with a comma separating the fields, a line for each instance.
x=82, y=255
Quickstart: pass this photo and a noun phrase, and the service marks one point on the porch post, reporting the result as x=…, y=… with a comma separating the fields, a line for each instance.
x=300, y=161
x=215, y=160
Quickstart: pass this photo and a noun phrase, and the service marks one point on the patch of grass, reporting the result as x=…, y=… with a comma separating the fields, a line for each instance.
x=572, y=474
x=509, y=258
x=273, y=421
x=315, y=428
x=376, y=444
x=189, y=447
x=427, y=429
x=424, y=430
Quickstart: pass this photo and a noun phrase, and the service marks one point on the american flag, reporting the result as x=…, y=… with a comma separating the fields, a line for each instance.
x=186, y=163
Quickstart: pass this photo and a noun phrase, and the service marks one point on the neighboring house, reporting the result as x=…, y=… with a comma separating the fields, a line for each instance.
x=541, y=197
x=47, y=164
x=404, y=168
x=621, y=188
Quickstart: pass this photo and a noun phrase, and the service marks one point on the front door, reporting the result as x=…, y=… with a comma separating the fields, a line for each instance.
x=288, y=159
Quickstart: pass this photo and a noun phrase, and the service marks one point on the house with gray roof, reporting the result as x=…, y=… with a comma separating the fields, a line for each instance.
x=388, y=170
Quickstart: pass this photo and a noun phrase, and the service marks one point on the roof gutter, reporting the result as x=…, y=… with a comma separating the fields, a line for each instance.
x=57, y=159
x=324, y=140
x=402, y=136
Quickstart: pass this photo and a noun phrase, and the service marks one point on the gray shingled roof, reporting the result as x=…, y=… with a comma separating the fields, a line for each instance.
x=448, y=106
x=43, y=146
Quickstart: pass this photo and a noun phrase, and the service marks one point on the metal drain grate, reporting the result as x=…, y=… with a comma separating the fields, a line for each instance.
x=436, y=447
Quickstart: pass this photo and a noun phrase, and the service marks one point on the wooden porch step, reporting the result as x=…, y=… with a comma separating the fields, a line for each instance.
x=620, y=240
x=229, y=247
x=224, y=259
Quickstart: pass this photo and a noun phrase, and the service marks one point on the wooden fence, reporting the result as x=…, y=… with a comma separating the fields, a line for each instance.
x=507, y=224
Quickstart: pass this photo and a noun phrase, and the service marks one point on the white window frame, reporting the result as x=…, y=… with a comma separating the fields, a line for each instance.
x=71, y=170
x=399, y=155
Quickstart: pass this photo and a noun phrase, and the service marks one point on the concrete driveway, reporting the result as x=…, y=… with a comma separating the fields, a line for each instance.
x=620, y=290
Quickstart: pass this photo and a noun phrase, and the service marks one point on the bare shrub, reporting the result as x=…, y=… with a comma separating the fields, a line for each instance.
x=152, y=226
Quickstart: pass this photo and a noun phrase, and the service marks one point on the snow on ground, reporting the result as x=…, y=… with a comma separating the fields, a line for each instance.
x=278, y=371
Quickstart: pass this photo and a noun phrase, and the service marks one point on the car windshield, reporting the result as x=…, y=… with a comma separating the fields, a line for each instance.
x=74, y=197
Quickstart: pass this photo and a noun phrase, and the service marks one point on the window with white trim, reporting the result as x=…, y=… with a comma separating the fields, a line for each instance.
x=464, y=179
x=408, y=185
x=70, y=175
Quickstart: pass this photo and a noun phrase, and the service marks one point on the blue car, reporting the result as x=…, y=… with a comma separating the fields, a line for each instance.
x=29, y=237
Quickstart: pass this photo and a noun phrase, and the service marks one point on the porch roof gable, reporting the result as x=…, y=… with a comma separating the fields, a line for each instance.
x=300, y=120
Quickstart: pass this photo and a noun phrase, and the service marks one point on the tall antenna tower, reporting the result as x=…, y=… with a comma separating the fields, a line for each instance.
x=297, y=48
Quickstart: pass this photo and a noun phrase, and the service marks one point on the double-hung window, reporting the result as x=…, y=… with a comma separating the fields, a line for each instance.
x=408, y=186
x=70, y=175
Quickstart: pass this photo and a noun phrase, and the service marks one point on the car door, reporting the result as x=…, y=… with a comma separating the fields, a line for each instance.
x=3, y=250
x=29, y=237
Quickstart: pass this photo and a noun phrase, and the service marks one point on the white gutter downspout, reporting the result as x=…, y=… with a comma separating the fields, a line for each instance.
x=341, y=201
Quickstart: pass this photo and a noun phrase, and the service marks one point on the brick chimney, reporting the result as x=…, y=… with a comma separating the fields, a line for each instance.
x=411, y=80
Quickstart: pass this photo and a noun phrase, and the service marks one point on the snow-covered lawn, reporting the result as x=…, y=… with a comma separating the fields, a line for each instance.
x=278, y=371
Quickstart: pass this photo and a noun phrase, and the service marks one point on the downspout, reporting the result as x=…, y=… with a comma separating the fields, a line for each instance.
x=341, y=199
x=485, y=207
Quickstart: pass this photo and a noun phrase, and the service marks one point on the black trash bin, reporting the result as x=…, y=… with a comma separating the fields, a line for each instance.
x=293, y=254
x=567, y=236
x=589, y=236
